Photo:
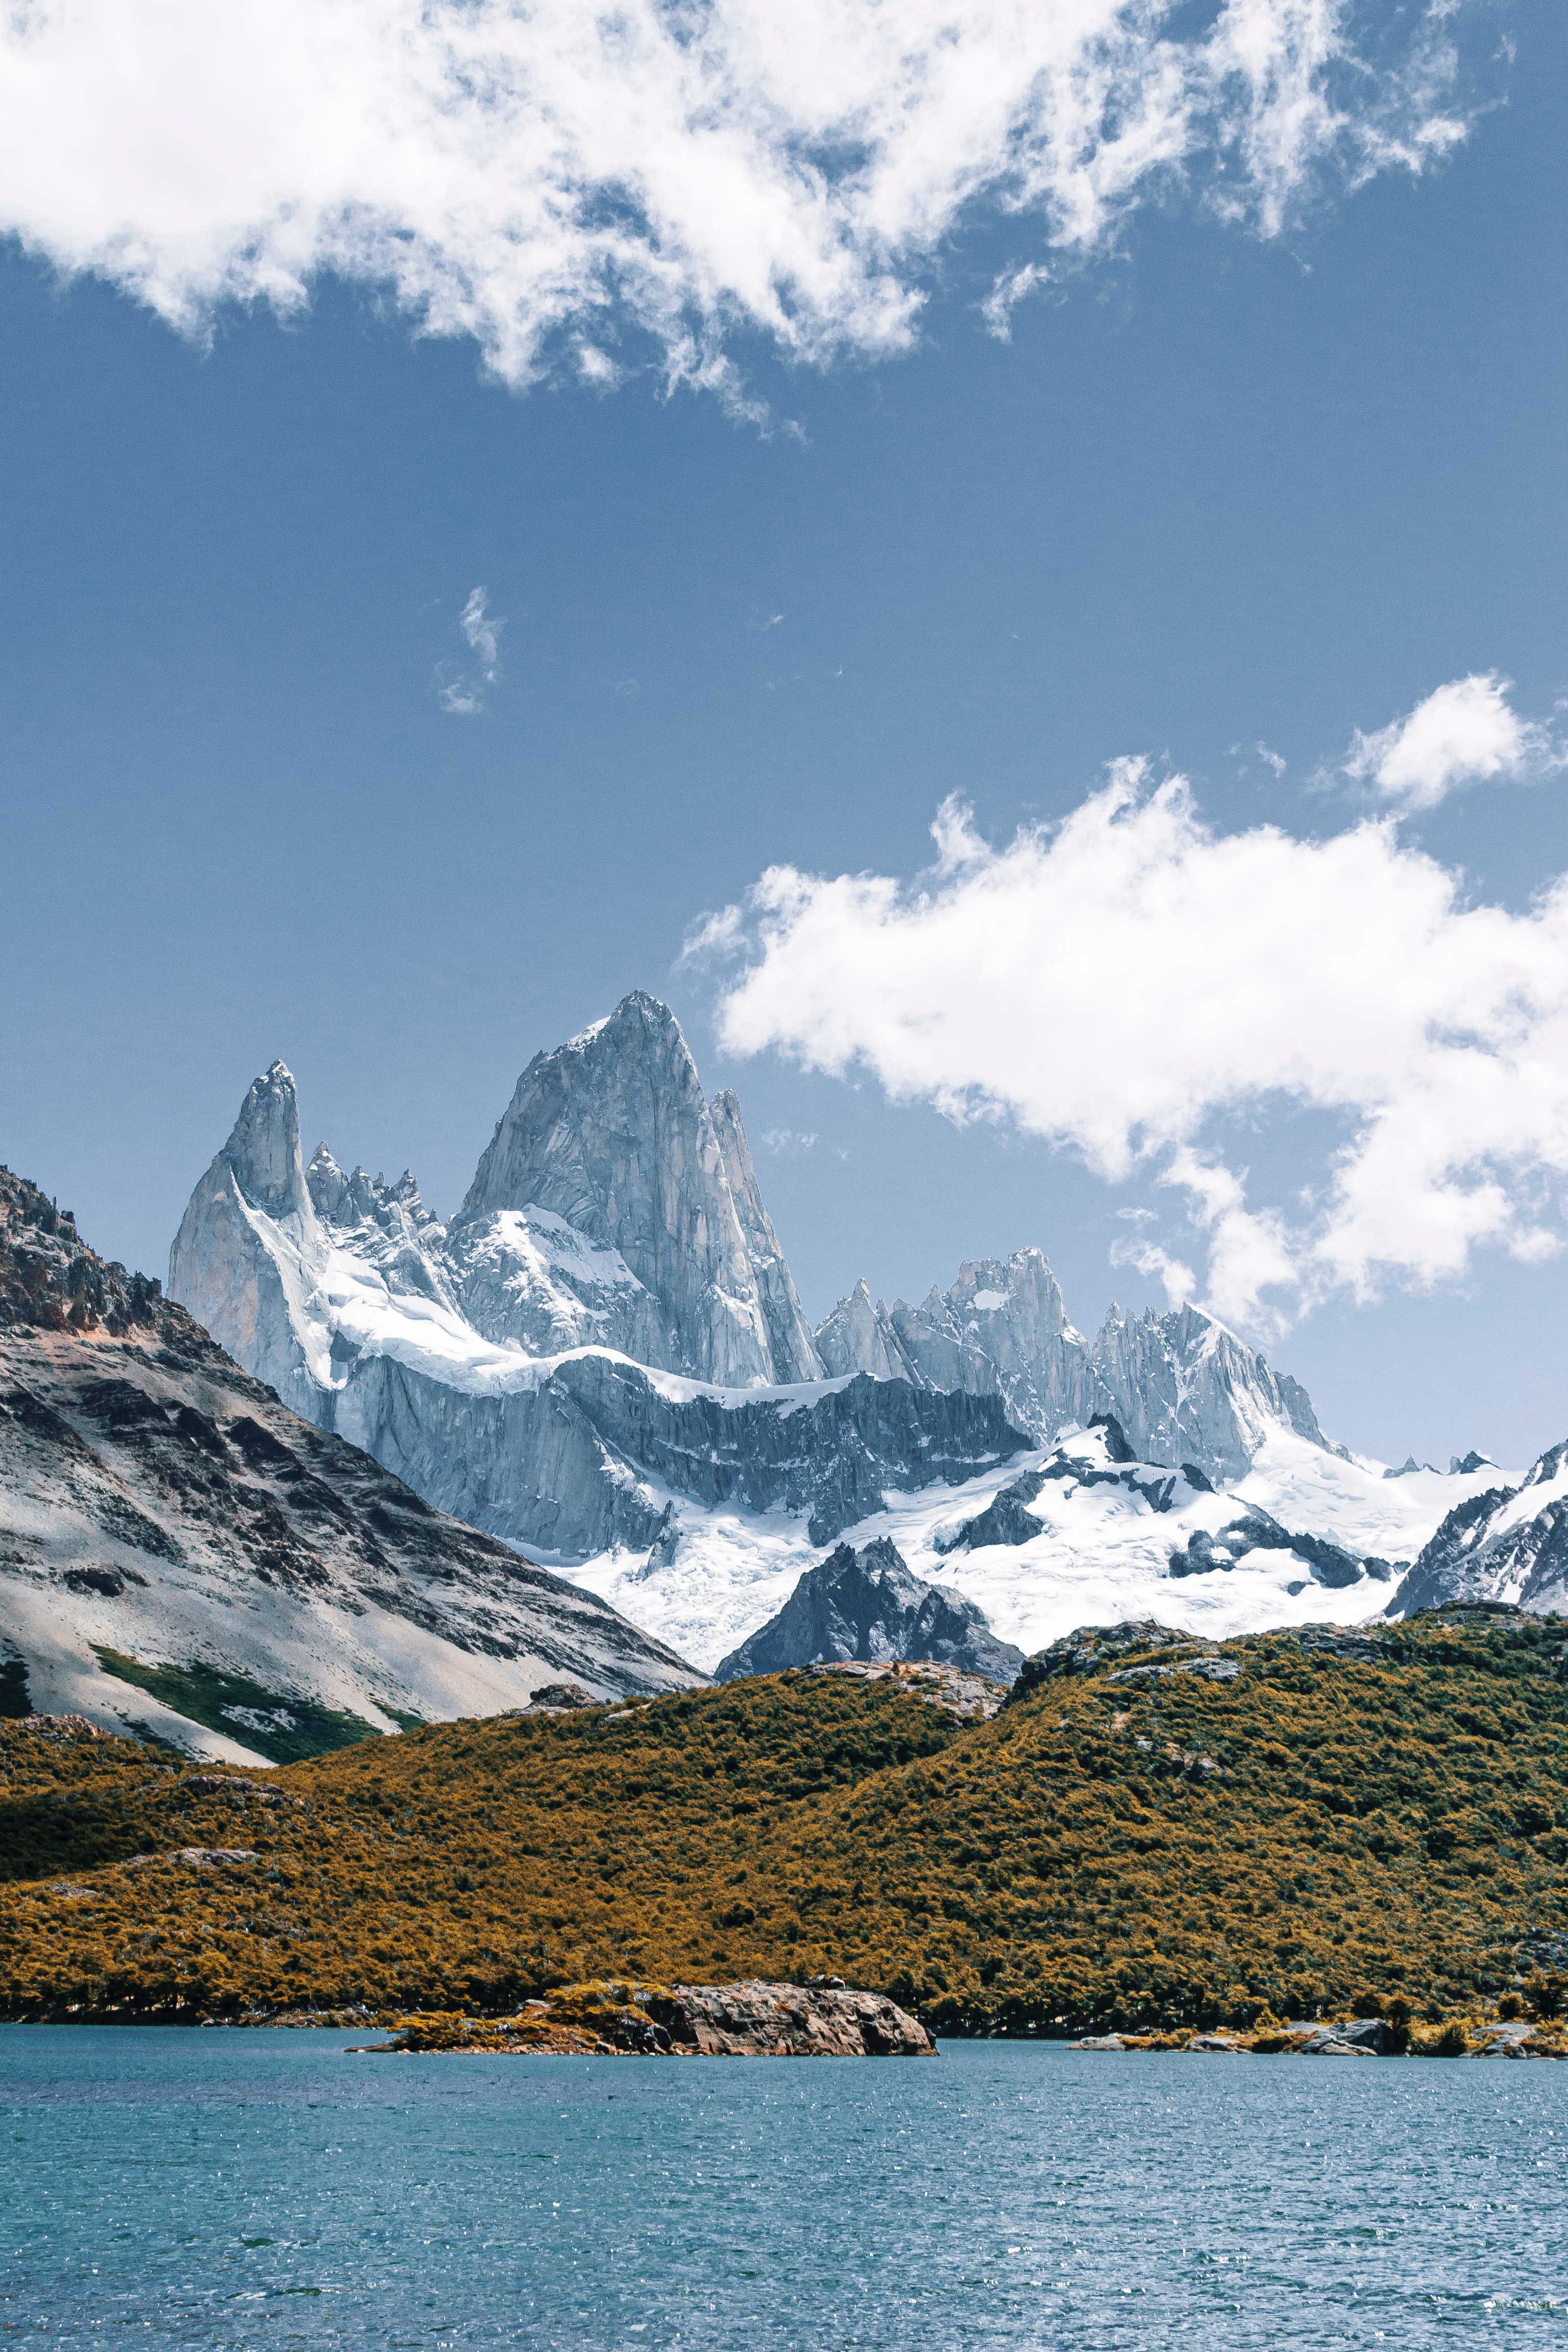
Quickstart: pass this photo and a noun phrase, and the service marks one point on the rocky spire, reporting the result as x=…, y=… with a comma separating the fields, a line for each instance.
x=264, y=1147
x=610, y=1133
x=794, y=1357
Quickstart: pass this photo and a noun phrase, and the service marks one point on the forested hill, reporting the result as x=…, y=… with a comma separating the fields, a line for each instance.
x=1152, y=1833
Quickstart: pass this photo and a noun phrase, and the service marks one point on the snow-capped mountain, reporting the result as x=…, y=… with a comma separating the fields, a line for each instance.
x=608, y=1324
x=1181, y=1385
x=1071, y=1535
x=604, y=1360
x=1507, y=1542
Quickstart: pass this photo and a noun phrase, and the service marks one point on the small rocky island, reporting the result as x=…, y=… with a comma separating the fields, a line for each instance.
x=736, y=2021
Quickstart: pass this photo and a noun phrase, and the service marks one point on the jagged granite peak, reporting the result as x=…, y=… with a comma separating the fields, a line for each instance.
x=794, y=1356
x=247, y=1257
x=1183, y=1386
x=611, y=1136
x=1186, y=1388
x=858, y=1338
x=866, y=1606
x=263, y=1147
x=1507, y=1544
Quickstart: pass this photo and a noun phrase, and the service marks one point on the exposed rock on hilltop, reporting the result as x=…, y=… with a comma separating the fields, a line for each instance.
x=866, y=1605
x=179, y=1551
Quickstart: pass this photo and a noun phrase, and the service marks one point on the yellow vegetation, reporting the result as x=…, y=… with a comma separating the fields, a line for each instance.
x=1149, y=1854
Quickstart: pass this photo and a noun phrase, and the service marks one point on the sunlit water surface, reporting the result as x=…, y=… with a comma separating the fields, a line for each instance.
x=225, y=2188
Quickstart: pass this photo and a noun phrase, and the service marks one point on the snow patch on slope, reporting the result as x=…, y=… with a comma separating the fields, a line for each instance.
x=1103, y=1552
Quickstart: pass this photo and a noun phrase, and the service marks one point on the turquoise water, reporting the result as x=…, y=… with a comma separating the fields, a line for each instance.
x=221, y=2188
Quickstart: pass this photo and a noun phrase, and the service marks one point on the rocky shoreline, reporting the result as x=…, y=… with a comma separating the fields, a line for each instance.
x=1359, y=2037
x=734, y=2021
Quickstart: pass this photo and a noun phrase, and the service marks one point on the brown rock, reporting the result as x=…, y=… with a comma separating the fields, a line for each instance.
x=785, y=2020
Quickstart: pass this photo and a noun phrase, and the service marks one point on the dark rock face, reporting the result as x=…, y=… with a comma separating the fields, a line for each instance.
x=866, y=1605
x=1007, y=1520
x=50, y=1280
x=785, y=2020
x=157, y=1503
x=1496, y=1547
x=1256, y=1530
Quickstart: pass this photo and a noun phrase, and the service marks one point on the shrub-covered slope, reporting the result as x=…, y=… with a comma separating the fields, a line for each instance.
x=1130, y=1841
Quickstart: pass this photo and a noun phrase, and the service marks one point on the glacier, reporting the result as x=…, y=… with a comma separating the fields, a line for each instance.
x=601, y=1360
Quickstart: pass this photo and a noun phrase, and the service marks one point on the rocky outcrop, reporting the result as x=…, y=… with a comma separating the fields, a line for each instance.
x=866, y=1605
x=1508, y=1544
x=179, y=1551
x=786, y=2021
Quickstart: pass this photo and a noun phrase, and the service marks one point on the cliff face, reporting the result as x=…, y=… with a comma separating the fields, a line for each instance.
x=179, y=1551
x=611, y=1136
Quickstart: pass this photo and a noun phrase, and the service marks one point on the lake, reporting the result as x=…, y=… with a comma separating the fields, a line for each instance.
x=260, y=2188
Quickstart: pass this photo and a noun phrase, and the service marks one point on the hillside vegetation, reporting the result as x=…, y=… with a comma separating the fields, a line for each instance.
x=1165, y=1849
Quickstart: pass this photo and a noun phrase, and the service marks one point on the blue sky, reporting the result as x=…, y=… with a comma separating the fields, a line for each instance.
x=1227, y=496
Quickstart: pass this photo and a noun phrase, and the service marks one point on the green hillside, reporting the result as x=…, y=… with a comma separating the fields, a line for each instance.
x=1165, y=1849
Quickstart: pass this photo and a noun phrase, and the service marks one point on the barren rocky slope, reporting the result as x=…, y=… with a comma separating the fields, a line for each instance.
x=181, y=1553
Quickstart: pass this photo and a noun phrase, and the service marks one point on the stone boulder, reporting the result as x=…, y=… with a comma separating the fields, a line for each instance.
x=785, y=2020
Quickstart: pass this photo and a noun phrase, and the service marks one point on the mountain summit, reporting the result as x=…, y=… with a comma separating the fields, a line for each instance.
x=611, y=1138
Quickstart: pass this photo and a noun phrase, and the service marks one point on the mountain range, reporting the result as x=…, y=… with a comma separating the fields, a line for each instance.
x=601, y=1360
x=365, y=1468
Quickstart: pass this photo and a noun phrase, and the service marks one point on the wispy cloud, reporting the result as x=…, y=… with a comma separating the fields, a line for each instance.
x=463, y=693
x=481, y=632
x=788, y=1142
x=1129, y=983
x=561, y=181
x=1468, y=732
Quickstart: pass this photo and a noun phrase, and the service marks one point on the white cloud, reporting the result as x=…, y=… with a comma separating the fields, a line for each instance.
x=462, y=695
x=1127, y=983
x=547, y=176
x=788, y=1142
x=481, y=632
x=1465, y=734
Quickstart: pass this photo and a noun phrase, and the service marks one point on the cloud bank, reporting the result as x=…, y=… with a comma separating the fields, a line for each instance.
x=1129, y=983
x=555, y=178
